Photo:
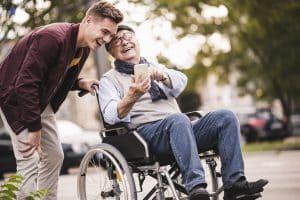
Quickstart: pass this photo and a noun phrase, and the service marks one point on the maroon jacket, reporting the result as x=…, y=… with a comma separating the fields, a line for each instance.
x=35, y=73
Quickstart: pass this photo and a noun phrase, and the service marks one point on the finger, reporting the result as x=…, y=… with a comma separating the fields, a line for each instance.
x=26, y=149
x=29, y=153
x=40, y=152
x=95, y=81
x=26, y=142
x=92, y=92
x=148, y=87
x=132, y=78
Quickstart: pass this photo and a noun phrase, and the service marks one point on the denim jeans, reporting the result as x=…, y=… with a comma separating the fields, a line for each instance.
x=177, y=135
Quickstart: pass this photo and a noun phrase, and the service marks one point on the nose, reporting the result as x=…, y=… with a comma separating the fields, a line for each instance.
x=124, y=42
x=107, y=38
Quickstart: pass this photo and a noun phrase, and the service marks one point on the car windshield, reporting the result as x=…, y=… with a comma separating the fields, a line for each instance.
x=263, y=115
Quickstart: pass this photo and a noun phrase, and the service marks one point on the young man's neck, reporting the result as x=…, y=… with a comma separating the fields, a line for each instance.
x=80, y=41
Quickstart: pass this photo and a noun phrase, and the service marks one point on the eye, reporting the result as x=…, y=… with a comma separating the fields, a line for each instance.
x=116, y=41
x=105, y=32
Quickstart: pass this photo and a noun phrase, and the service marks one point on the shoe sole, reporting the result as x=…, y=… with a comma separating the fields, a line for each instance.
x=245, y=197
x=200, y=197
x=248, y=197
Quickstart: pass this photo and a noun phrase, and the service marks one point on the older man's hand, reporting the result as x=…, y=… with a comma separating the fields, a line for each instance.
x=139, y=86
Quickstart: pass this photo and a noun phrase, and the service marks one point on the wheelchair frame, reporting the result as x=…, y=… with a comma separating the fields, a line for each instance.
x=137, y=161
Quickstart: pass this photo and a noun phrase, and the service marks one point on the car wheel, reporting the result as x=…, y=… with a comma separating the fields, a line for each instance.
x=1, y=176
x=64, y=171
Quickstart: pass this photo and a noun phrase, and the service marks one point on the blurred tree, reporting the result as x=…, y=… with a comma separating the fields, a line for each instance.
x=37, y=13
x=264, y=43
x=189, y=101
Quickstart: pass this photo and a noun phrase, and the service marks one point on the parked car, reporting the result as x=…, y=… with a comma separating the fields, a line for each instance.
x=7, y=158
x=295, y=121
x=263, y=124
x=75, y=143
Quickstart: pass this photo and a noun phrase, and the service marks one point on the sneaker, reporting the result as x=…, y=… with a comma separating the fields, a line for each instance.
x=199, y=193
x=243, y=189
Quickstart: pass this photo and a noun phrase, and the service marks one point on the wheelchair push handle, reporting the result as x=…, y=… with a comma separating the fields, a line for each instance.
x=84, y=92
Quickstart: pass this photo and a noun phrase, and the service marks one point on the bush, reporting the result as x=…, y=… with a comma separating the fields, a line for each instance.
x=9, y=189
x=189, y=101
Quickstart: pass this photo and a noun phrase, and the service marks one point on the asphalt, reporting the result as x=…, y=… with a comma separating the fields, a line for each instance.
x=282, y=169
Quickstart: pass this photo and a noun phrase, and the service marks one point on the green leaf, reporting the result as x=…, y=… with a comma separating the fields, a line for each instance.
x=39, y=193
x=10, y=187
x=29, y=198
x=8, y=193
x=16, y=179
x=4, y=197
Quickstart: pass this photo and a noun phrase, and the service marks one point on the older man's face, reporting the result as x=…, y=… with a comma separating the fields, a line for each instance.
x=125, y=47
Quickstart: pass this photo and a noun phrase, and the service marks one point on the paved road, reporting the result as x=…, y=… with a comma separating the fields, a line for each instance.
x=282, y=169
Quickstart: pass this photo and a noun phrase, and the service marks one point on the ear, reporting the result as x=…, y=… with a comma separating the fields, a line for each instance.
x=88, y=19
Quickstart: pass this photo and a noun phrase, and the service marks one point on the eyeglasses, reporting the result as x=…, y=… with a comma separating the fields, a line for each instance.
x=117, y=41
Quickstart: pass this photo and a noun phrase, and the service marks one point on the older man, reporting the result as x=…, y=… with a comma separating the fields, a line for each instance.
x=149, y=103
x=35, y=78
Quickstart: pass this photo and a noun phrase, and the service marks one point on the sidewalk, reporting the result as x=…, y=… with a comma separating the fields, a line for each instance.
x=282, y=169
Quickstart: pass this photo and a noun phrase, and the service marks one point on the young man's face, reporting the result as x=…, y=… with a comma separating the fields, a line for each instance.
x=98, y=31
x=125, y=46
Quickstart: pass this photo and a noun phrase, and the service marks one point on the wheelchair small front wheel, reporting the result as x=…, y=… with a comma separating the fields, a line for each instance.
x=104, y=174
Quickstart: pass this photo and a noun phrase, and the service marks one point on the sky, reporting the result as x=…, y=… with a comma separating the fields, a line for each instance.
x=180, y=52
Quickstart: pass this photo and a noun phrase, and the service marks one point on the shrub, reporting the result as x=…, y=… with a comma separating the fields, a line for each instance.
x=10, y=187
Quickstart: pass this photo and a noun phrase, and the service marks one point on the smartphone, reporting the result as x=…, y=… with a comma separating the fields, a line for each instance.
x=141, y=69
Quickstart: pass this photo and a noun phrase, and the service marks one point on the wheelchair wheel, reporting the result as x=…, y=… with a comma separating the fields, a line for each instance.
x=210, y=168
x=104, y=174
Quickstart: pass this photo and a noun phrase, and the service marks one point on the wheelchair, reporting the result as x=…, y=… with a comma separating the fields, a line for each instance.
x=118, y=167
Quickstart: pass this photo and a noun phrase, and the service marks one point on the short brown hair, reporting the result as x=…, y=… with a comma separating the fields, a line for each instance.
x=105, y=10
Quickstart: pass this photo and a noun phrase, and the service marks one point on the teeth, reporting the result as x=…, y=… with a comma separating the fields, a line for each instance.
x=126, y=49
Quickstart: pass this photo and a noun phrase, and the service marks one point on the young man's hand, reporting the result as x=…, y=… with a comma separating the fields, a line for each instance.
x=86, y=84
x=32, y=144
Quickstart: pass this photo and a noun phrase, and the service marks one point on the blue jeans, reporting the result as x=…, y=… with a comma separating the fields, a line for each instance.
x=177, y=135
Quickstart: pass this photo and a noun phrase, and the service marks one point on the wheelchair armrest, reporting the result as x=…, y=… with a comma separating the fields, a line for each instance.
x=194, y=114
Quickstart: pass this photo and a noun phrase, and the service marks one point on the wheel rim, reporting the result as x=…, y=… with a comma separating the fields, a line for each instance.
x=102, y=178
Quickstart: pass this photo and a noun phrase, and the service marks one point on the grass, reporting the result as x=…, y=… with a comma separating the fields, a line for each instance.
x=292, y=143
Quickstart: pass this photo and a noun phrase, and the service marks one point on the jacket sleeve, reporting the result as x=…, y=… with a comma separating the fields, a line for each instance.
x=41, y=55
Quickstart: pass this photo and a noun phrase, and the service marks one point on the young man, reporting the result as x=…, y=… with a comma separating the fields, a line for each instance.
x=35, y=78
x=149, y=103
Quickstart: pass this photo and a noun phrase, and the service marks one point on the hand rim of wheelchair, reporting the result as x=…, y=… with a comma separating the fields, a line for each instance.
x=118, y=162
